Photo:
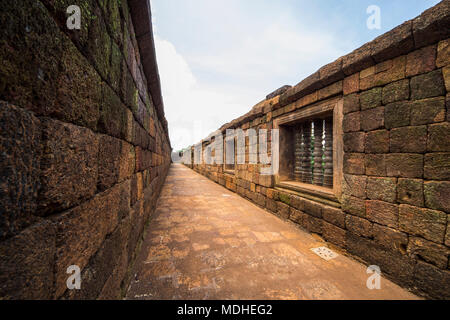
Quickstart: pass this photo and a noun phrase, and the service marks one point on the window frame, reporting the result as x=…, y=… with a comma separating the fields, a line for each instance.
x=225, y=170
x=284, y=123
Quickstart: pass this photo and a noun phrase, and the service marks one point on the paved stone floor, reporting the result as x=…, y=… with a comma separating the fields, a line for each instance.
x=209, y=243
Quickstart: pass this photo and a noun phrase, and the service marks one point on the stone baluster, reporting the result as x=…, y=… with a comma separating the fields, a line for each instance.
x=328, y=160
x=306, y=158
x=298, y=153
x=318, y=153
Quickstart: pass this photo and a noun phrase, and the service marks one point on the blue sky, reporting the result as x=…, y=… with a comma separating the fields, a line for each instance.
x=217, y=59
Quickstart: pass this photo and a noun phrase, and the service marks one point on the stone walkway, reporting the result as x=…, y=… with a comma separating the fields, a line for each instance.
x=209, y=243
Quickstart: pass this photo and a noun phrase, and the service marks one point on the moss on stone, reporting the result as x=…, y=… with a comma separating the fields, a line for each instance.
x=285, y=198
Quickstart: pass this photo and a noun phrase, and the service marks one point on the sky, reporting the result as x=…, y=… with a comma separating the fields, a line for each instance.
x=218, y=58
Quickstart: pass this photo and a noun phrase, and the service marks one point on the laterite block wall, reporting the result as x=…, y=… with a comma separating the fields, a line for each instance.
x=84, y=145
x=395, y=206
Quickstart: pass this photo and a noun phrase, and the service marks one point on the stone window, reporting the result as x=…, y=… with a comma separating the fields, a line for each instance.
x=311, y=152
x=230, y=155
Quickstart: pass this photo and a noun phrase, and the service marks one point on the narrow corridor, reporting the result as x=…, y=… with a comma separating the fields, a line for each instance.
x=209, y=243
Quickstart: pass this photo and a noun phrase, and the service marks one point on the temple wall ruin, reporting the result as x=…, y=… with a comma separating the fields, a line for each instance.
x=389, y=203
x=84, y=145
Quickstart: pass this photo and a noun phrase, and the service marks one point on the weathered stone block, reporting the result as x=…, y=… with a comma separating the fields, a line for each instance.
x=431, y=252
x=82, y=230
x=127, y=161
x=137, y=226
x=389, y=238
x=404, y=165
x=331, y=72
x=354, y=163
x=297, y=202
x=312, y=208
x=102, y=264
x=410, y=191
x=421, y=61
x=377, y=141
x=427, y=223
x=351, y=84
x=109, y=160
x=437, y=166
x=69, y=166
x=351, y=103
x=447, y=234
x=261, y=201
x=397, y=114
x=298, y=217
x=357, y=60
x=147, y=160
x=283, y=210
x=370, y=99
x=446, y=75
x=383, y=213
x=392, y=263
x=129, y=92
x=313, y=224
x=359, y=226
x=27, y=261
x=372, y=119
x=129, y=130
x=381, y=189
x=396, y=91
x=113, y=114
x=271, y=205
x=304, y=87
x=285, y=198
x=266, y=180
x=333, y=234
x=20, y=156
x=115, y=71
x=427, y=85
x=430, y=26
x=114, y=286
x=438, y=137
x=272, y=194
x=437, y=195
x=68, y=90
x=354, y=141
x=428, y=111
x=329, y=91
x=353, y=205
x=354, y=185
x=351, y=122
x=366, y=73
x=139, y=159
x=334, y=215
x=443, y=53
x=139, y=186
x=375, y=164
x=396, y=42
x=409, y=139
x=432, y=280
x=384, y=73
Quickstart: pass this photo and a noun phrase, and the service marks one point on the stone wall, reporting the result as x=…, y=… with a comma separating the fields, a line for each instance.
x=393, y=209
x=84, y=145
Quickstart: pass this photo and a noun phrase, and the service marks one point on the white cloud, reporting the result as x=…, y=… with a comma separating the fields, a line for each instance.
x=193, y=111
x=232, y=65
x=276, y=51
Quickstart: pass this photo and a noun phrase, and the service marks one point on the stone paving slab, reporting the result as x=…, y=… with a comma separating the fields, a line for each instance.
x=209, y=243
